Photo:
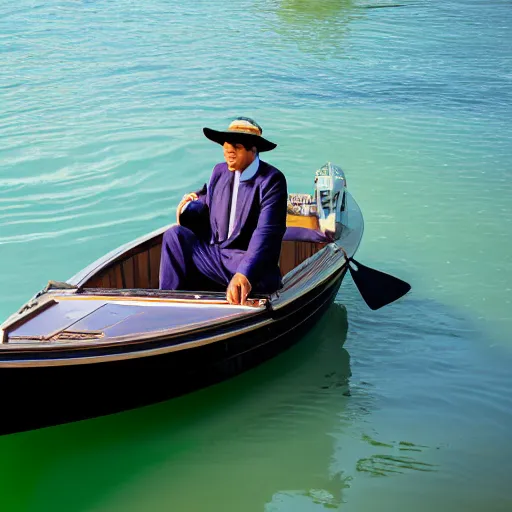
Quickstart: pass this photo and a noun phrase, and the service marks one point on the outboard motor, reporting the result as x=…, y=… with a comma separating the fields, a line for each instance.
x=330, y=197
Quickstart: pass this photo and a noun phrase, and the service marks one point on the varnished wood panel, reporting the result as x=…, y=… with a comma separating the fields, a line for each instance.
x=128, y=272
x=142, y=270
x=154, y=266
x=293, y=253
x=105, y=280
x=95, y=282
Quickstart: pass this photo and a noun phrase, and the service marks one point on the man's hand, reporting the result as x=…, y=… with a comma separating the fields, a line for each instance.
x=238, y=289
x=186, y=199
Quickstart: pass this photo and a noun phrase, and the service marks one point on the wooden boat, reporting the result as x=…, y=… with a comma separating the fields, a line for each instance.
x=108, y=339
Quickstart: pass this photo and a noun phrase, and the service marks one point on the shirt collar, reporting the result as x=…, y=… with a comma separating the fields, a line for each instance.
x=251, y=170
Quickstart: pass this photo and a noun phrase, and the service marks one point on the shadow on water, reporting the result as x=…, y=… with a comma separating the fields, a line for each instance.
x=254, y=432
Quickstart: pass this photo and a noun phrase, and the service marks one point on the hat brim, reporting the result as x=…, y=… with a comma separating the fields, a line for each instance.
x=220, y=137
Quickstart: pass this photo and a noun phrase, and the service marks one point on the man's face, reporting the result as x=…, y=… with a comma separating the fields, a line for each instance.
x=237, y=157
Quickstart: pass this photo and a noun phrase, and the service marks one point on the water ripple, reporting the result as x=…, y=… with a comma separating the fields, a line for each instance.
x=101, y=110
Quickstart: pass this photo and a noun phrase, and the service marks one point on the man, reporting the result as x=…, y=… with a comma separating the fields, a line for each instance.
x=237, y=249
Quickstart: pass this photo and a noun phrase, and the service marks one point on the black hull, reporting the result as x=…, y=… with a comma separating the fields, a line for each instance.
x=40, y=397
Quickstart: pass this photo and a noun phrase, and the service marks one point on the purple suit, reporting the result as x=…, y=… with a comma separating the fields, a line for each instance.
x=202, y=256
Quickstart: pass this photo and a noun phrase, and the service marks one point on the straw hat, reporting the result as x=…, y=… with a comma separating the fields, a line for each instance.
x=241, y=130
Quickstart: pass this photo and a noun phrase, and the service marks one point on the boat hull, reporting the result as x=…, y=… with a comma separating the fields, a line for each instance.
x=68, y=393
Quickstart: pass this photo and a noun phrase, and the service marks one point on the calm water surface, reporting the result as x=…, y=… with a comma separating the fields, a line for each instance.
x=408, y=408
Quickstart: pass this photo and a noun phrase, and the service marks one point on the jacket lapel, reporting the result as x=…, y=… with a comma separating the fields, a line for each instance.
x=243, y=205
x=222, y=198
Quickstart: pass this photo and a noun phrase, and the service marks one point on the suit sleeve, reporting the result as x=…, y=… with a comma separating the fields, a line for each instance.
x=195, y=214
x=265, y=246
x=202, y=194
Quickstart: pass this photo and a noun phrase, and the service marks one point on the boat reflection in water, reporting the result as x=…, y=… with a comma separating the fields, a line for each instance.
x=247, y=440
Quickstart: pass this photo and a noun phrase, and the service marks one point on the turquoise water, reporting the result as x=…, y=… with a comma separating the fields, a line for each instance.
x=101, y=110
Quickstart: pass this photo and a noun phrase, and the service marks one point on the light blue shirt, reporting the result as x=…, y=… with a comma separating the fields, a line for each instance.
x=249, y=173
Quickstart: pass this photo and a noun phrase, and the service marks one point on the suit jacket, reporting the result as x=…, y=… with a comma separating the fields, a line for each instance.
x=254, y=247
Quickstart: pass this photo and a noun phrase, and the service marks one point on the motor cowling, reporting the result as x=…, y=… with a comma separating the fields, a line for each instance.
x=330, y=198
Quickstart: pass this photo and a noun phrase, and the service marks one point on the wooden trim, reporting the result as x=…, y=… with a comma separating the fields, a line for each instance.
x=112, y=298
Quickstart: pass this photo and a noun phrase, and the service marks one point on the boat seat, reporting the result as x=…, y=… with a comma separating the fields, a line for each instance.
x=302, y=223
x=303, y=236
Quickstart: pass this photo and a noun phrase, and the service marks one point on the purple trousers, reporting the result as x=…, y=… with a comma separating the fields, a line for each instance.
x=190, y=263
